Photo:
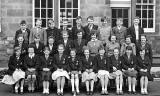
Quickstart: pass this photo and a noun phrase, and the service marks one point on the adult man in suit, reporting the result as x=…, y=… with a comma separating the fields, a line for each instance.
x=119, y=31
x=135, y=30
x=89, y=27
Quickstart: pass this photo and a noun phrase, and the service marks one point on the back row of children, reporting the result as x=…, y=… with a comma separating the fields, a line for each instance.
x=104, y=53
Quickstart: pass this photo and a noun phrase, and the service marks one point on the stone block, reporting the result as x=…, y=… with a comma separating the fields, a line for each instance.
x=15, y=12
x=29, y=13
x=10, y=38
x=1, y=42
x=9, y=51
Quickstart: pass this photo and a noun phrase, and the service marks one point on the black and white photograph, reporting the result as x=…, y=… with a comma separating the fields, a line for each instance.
x=79, y=47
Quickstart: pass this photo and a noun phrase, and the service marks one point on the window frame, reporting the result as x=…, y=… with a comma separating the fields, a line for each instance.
x=33, y=12
x=66, y=8
x=147, y=30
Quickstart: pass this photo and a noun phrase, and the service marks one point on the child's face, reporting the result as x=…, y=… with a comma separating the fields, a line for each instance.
x=128, y=40
x=119, y=22
x=50, y=40
x=143, y=39
x=116, y=52
x=60, y=49
x=101, y=52
x=65, y=35
x=73, y=54
x=23, y=26
x=113, y=38
x=142, y=53
x=94, y=36
x=90, y=21
x=20, y=39
x=136, y=21
x=46, y=52
x=86, y=52
x=30, y=50
x=129, y=51
x=104, y=22
x=18, y=52
x=79, y=21
x=79, y=35
x=52, y=24
x=38, y=23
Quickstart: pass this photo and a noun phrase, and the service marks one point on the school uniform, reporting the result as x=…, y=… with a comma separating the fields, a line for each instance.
x=23, y=47
x=69, y=33
x=129, y=63
x=144, y=64
x=38, y=31
x=53, y=49
x=147, y=48
x=132, y=31
x=87, y=31
x=93, y=46
x=46, y=62
x=75, y=31
x=75, y=65
x=78, y=45
x=38, y=50
x=102, y=66
x=88, y=63
x=109, y=48
x=120, y=33
x=53, y=32
x=26, y=34
x=16, y=70
x=123, y=48
x=117, y=63
x=68, y=44
x=60, y=63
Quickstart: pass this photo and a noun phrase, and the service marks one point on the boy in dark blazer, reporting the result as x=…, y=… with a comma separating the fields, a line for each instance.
x=135, y=30
x=23, y=30
x=89, y=27
x=52, y=46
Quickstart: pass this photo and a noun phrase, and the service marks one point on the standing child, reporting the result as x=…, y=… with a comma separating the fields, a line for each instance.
x=52, y=45
x=61, y=68
x=75, y=70
x=31, y=64
x=103, y=68
x=88, y=75
x=46, y=65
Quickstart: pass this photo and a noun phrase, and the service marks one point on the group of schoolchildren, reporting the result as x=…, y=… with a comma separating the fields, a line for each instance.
x=88, y=54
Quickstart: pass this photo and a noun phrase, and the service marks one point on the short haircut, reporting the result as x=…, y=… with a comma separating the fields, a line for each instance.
x=73, y=49
x=46, y=48
x=16, y=48
x=50, y=21
x=136, y=17
x=78, y=17
x=38, y=20
x=60, y=45
x=31, y=46
x=79, y=31
x=19, y=35
x=111, y=36
x=90, y=17
x=51, y=37
x=119, y=19
x=64, y=32
x=128, y=48
x=105, y=18
x=22, y=22
x=93, y=32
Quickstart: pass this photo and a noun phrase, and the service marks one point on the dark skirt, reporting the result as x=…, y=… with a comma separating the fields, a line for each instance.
x=150, y=78
x=129, y=73
x=46, y=75
x=30, y=73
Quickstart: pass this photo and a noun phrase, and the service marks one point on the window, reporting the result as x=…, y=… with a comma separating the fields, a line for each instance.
x=145, y=9
x=69, y=9
x=43, y=9
x=120, y=13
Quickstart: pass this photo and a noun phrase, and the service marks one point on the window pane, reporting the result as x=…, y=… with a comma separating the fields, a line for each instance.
x=125, y=13
x=144, y=1
x=75, y=3
x=150, y=6
x=50, y=4
x=62, y=4
x=62, y=12
x=125, y=23
x=144, y=14
x=150, y=1
x=50, y=13
x=144, y=6
x=138, y=13
x=150, y=13
x=43, y=13
x=138, y=6
x=37, y=13
x=138, y=1
x=113, y=22
x=74, y=21
x=114, y=13
x=43, y=3
x=69, y=4
x=75, y=13
x=150, y=23
x=119, y=12
x=43, y=22
x=144, y=23
x=37, y=3
x=69, y=13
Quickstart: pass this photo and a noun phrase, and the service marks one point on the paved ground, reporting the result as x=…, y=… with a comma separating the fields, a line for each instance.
x=154, y=90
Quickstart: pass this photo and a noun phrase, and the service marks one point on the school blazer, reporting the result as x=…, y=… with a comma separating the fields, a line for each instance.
x=31, y=63
x=38, y=51
x=79, y=48
x=75, y=31
x=53, y=50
